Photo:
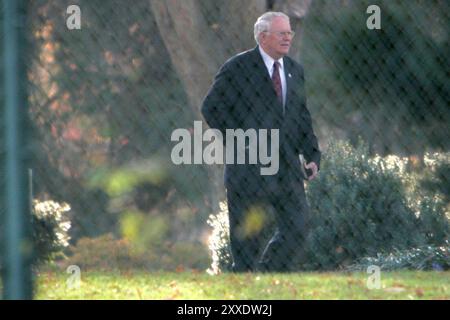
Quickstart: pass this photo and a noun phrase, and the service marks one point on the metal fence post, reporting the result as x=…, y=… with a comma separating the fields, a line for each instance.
x=17, y=278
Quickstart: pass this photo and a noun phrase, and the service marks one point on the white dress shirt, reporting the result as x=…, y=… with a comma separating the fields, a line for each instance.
x=269, y=61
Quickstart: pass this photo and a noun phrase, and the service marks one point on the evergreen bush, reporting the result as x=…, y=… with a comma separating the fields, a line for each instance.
x=360, y=207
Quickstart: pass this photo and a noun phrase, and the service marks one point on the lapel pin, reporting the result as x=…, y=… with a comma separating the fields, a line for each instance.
x=289, y=75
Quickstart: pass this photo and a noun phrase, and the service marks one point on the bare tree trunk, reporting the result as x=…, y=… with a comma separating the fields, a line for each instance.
x=197, y=45
x=199, y=37
x=187, y=38
x=297, y=11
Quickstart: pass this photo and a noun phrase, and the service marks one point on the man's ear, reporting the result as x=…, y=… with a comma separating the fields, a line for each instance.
x=262, y=37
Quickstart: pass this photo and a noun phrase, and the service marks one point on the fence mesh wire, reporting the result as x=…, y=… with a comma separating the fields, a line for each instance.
x=105, y=99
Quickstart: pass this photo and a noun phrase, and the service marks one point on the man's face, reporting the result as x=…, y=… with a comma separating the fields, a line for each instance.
x=277, y=41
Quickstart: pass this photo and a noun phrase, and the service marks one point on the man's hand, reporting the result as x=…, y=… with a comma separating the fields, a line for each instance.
x=314, y=169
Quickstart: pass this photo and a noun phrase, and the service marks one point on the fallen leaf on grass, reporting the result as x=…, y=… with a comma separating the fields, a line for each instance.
x=398, y=284
x=395, y=289
x=175, y=295
x=180, y=269
x=275, y=282
x=139, y=293
x=352, y=282
x=294, y=291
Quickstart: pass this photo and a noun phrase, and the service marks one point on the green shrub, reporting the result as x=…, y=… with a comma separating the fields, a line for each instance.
x=104, y=253
x=439, y=183
x=50, y=227
x=434, y=222
x=423, y=258
x=219, y=241
x=360, y=207
x=108, y=253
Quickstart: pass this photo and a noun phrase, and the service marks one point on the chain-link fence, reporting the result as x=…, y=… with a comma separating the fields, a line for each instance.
x=109, y=82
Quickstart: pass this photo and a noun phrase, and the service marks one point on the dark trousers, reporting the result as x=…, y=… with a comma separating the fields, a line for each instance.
x=249, y=214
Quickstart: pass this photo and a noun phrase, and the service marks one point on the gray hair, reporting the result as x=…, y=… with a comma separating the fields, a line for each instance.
x=263, y=23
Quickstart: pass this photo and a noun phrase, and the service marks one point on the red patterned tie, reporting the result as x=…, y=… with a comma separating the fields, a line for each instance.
x=277, y=81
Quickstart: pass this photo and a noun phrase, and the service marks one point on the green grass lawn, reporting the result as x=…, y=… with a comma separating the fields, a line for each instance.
x=194, y=285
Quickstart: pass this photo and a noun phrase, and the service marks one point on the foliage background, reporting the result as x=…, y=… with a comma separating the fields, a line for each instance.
x=105, y=99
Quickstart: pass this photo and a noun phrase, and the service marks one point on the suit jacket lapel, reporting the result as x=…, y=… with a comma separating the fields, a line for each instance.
x=289, y=79
x=264, y=76
x=261, y=70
